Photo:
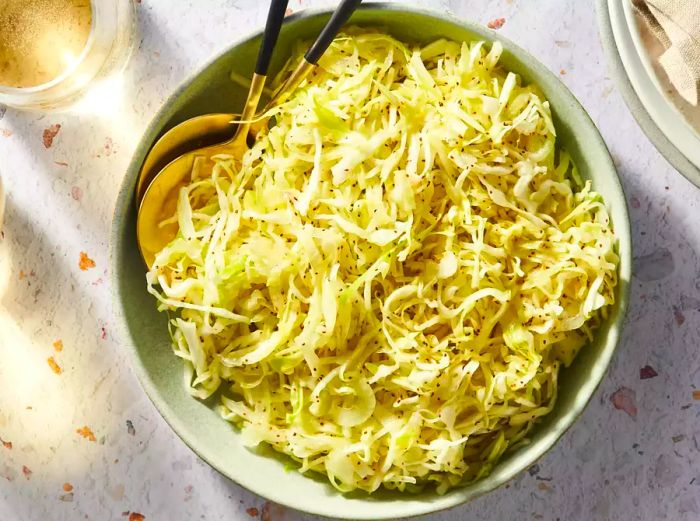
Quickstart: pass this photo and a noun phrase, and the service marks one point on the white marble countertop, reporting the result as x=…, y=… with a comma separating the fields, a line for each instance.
x=639, y=462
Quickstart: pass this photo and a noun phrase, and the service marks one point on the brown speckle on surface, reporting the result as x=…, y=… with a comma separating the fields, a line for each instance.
x=85, y=263
x=58, y=345
x=562, y=72
x=624, y=399
x=678, y=315
x=9, y=473
x=497, y=23
x=135, y=516
x=252, y=511
x=544, y=487
x=6, y=444
x=50, y=134
x=26, y=471
x=108, y=147
x=86, y=433
x=272, y=512
x=67, y=487
x=6, y=132
x=130, y=428
x=647, y=372
x=696, y=394
x=76, y=193
x=68, y=498
x=60, y=163
x=54, y=366
x=103, y=333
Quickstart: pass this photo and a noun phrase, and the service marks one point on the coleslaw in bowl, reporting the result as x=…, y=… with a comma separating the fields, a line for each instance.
x=576, y=383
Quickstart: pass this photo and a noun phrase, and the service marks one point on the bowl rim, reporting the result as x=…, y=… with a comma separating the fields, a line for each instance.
x=411, y=507
x=649, y=123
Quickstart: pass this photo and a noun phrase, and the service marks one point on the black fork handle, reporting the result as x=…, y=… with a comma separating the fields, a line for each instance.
x=340, y=16
x=275, y=17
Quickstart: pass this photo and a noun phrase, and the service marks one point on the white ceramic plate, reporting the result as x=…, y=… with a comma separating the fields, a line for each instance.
x=651, y=102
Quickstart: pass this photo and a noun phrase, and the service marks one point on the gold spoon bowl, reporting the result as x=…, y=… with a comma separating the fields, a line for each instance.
x=209, y=129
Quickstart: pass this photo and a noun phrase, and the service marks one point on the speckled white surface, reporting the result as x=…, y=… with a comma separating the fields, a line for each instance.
x=642, y=463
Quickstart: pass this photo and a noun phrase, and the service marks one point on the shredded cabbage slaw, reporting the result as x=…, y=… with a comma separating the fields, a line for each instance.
x=386, y=287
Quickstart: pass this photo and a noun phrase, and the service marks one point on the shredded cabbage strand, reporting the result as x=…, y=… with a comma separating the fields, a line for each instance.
x=387, y=285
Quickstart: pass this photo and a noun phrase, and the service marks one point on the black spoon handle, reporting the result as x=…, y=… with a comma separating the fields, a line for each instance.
x=340, y=16
x=275, y=17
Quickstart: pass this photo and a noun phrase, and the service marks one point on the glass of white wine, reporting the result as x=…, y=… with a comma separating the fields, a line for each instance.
x=52, y=51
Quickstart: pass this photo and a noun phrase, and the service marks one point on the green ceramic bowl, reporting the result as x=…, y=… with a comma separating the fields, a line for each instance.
x=145, y=334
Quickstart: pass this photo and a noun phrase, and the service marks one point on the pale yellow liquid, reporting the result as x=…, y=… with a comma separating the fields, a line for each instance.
x=39, y=39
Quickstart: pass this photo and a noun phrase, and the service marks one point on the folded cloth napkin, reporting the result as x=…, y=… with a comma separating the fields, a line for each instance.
x=676, y=23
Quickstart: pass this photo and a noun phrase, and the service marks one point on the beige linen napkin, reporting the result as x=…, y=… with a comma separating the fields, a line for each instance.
x=676, y=23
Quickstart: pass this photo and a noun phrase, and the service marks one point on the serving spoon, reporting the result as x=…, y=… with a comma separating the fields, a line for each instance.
x=160, y=197
x=209, y=129
x=156, y=203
